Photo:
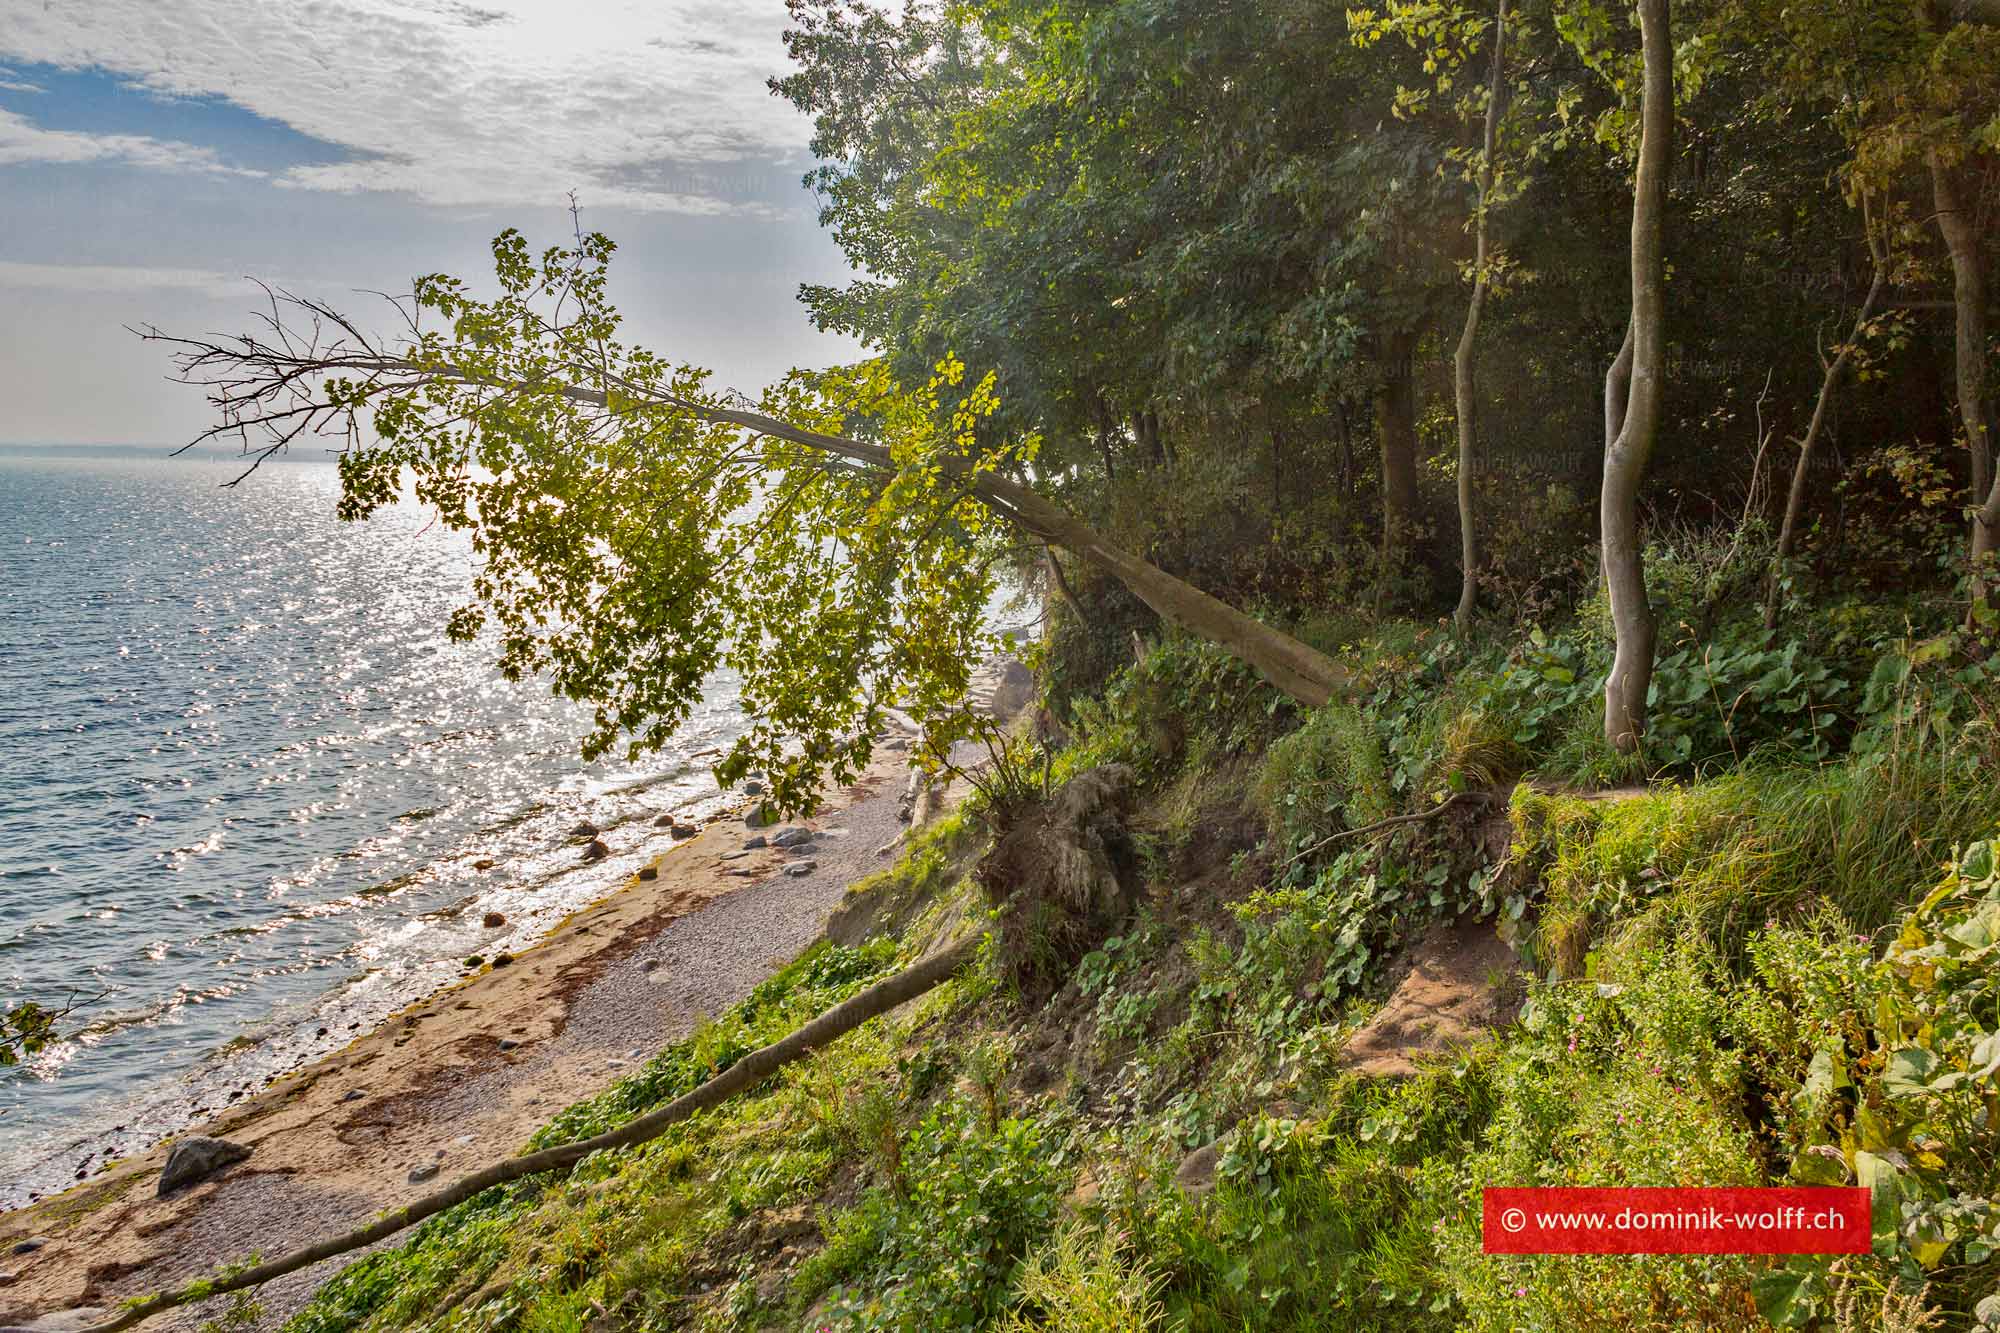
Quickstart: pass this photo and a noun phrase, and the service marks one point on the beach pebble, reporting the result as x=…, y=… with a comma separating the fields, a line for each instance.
x=596, y=850
x=196, y=1158
x=685, y=830
x=8, y=1279
x=649, y=872
x=353, y=1095
x=502, y=959
x=474, y=960
x=760, y=816
x=732, y=856
x=428, y=1171
x=614, y=1064
x=637, y=1053
x=30, y=1245
x=665, y=821
x=898, y=744
x=752, y=844
x=484, y=863
x=753, y=789
x=584, y=830
x=791, y=837
x=493, y=920
x=507, y=1044
x=800, y=869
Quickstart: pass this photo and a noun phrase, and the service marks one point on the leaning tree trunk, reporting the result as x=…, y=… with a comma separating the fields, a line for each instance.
x=1968, y=270
x=1396, y=437
x=1795, y=500
x=1633, y=391
x=1302, y=672
x=1461, y=362
x=746, y=1073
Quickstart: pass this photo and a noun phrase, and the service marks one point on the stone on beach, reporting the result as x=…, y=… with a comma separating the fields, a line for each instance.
x=427, y=1171
x=195, y=1159
x=649, y=872
x=494, y=920
x=761, y=816
x=584, y=830
x=800, y=869
x=684, y=830
x=791, y=837
x=596, y=850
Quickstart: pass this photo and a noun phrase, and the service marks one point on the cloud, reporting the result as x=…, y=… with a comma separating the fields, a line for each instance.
x=22, y=142
x=110, y=277
x=498, y=103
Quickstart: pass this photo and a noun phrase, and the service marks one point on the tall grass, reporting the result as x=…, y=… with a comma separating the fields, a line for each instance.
x=1764, y=842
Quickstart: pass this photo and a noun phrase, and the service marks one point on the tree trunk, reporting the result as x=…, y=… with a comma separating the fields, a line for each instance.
x=1302, y=672
x=752, y=1069
x=1795, y=499
x=1633, y=392
x=1461, y=363
x=1968, y=270
x=1396, y=435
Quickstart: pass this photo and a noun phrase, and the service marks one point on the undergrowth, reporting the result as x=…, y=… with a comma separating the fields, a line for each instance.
x=1770, y=960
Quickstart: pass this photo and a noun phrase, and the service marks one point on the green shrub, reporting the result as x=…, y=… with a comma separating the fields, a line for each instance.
x=1327, y=776
x=1188, y=701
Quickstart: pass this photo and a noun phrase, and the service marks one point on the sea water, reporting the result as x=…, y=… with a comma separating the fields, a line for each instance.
x=248, y=788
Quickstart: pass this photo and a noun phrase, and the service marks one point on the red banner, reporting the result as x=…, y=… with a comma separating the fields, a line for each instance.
x=1785, y=1220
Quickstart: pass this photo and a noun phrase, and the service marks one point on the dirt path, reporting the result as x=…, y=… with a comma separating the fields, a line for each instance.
x=460, y=1079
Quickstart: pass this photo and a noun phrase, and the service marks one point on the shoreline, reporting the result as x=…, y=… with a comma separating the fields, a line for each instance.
x=471, y=1069
x=284, y=1043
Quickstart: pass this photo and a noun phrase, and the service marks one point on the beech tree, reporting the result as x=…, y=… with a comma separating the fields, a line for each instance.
x=1632, y=393
x=635, y=530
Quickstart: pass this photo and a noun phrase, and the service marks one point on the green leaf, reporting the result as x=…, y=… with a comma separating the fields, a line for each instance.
x=1785, y=1297
x=1909, y=1072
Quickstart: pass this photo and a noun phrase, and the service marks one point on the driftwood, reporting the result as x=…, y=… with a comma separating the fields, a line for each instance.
x=752, y=1069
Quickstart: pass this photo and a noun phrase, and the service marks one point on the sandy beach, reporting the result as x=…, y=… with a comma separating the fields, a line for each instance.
x=461, y=1078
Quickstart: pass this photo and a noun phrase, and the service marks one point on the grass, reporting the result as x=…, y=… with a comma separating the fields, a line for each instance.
x=1765, y=842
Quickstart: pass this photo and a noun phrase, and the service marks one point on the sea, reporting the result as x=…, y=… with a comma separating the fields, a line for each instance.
x=252, y=799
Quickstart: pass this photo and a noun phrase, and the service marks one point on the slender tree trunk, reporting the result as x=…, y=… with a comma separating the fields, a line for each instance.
x=1795, y=500
x=747, y=1072
x=1396, y=436
x=1462, y=364
x=1633, y=392
x=1968, y=270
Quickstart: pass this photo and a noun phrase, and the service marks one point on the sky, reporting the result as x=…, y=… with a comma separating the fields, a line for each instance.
x=156, y=154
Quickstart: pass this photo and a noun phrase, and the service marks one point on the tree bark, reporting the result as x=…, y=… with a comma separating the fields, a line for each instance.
x=1304, y=673
x=1396, y=437
x=1968, y=270
x=1462, y=359
x=1795, y=499
x=1633, y=392
x=751, y=1070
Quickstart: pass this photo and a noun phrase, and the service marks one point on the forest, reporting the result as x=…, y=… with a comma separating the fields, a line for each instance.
x=1501, y=476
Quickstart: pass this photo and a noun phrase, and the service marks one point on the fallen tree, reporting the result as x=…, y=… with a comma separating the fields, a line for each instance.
x=746, y=1073
x=638, y=530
